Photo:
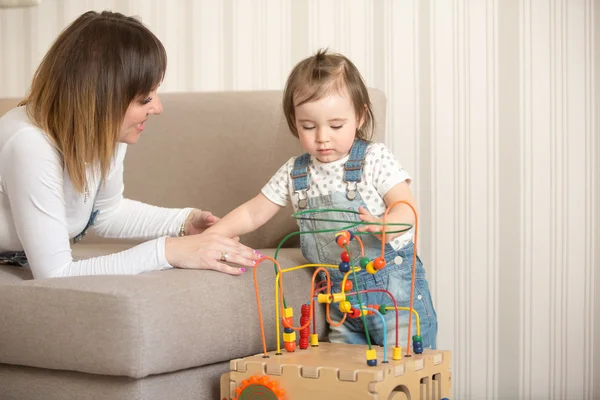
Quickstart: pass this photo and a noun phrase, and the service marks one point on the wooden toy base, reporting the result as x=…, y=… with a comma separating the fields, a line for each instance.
x=339, y=371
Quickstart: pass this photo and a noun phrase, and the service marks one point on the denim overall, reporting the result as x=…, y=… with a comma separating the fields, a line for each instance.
x=395, y=277
x=19, y=259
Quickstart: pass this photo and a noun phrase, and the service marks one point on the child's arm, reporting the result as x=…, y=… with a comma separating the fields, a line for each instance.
x=400, y=213
x=246, y=218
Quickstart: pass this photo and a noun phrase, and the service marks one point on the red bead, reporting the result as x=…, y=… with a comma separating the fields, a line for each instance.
x=304, y=333
x=354, y=313
x=379, y=263
x=348, y=286
x=345, y=256
x=290, y=346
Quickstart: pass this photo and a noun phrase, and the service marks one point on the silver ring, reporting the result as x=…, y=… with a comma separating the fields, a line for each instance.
x=224, y=256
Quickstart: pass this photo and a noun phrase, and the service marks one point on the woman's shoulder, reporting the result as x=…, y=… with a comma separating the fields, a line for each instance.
x=18, y=134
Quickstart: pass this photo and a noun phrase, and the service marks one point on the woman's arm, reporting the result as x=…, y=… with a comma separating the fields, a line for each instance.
x=129, y=219
x=33, y=180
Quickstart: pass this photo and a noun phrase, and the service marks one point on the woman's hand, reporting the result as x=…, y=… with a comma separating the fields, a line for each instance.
x=209, y=251
x=198, y=221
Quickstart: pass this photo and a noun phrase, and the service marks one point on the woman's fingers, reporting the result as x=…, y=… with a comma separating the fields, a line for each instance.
x=227, y=269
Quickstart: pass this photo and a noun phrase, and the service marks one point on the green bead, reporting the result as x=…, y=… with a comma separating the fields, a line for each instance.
x=383, y=309
x=364, y=261
x=417, y=338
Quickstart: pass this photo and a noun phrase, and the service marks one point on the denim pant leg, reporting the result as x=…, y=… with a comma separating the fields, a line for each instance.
x=398, y=283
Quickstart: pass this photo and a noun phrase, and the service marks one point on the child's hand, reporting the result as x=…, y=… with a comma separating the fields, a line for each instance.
x=365, y=215
x=198, y=221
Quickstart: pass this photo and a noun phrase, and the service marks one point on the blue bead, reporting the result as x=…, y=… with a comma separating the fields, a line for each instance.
x=288, y=330
x=351, y=235
x=418, y=347
x=344, y=266
x=372, y=363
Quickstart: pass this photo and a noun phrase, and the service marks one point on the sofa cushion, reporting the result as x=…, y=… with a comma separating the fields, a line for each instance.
x=143, y=324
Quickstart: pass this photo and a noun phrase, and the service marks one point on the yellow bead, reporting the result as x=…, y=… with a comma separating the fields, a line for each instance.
x=371, y=354
x=289, y=337
x=397, y=354
x=288, y=312
x=337, y=297
x=345, y=306
x=370, y=268
x=314, y=339
x=324, y=298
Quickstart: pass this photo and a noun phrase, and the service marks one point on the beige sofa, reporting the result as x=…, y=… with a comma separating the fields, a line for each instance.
x=169, y=334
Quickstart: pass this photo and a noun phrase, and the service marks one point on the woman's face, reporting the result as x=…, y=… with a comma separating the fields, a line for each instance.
x=136, y=115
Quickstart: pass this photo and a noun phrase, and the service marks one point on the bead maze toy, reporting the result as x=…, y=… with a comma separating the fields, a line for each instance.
x=313, y=370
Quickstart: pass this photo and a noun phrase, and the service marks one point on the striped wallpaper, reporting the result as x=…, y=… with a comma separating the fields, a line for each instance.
x=492, y=108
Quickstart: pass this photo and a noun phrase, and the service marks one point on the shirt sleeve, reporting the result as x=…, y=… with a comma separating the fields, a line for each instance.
x=129, y=219
x=34, y=185
x=385, y=169
x=277, y=189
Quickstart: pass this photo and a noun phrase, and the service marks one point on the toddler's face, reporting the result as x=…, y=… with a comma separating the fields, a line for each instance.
x=327, y=127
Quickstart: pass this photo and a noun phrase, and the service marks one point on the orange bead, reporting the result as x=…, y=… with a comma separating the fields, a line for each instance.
x=287, y=322
x=379, y=263
x=348, y=286
x=290, y=346
x=346, y=234
x=342, y=241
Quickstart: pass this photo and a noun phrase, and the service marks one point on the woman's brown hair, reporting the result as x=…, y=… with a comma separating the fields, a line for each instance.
x=321, y=75
x=80, y=92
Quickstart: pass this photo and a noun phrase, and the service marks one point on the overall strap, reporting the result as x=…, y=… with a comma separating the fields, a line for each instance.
x=354, y=166
x=299, y=173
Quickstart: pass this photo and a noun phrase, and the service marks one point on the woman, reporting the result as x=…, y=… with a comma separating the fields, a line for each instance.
x=61, y=161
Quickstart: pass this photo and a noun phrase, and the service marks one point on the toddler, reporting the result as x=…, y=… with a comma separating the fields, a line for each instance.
x=327, y=108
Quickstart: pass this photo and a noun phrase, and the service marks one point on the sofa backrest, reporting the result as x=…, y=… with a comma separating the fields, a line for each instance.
x=214, y=151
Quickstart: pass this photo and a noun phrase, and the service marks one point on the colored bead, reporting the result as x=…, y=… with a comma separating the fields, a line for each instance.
x=379, y=263
x=372, y=357
x=370, y=268
x=324, y=298
x=345, y=256
x=344, y=267
x=314, y=340
x=289, y=337
x=417, y=345
x=342, y=241
x=347, y=285
x=351, y=235
x=290, y=346
x=303, y=343
x=354, y=313
x=304, y=320
x=288, y=330
x=288, y=312
x=383, y=309
x=345, y=307
x=337, y=297
x=364, y=261
x=287, y=322
x=397, y=353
